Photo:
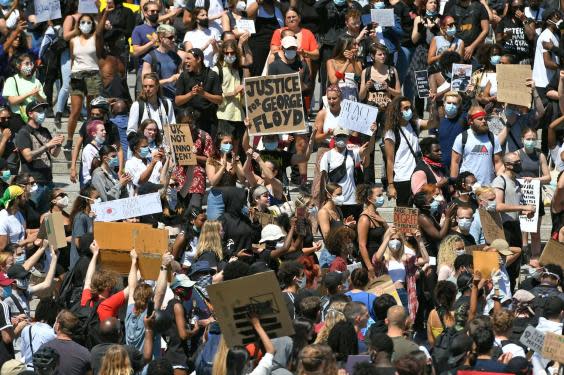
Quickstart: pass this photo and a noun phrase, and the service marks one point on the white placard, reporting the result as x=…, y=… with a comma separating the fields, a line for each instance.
x=246, y=25
x=531, y=195
x=46, y=10
x=126, y=208
x=461, y=75
x=357, y=116
x=87, y=7
x=383, y=17
x=532, y=339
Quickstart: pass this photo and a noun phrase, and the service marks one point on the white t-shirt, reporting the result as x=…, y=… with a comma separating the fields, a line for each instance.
x=477, y=155
x=12, y=226
x=555, y=155
x=135, y=167
x=159, y=114
x=514, y=349
x=404, y=162
x=334, y=159
x=542, y=75
x=200, y=38
x=88, y=154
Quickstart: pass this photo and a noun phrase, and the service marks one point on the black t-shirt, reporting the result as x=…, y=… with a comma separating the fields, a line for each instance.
x=117, y=88
x=41, y=166
x=211, y=83
x=309, y=16
x=112, y=134
x=280, y=158
x=280, y=67
x=517, y=44
x=14, y=124
x=6, y=350
x=467, y=19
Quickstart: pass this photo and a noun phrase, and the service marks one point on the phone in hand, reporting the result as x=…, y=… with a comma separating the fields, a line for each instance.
x=150, y=307
x=300, y=211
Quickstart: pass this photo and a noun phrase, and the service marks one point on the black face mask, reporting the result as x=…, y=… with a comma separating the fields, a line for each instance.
x=153, y=18
x=204, y=23
x=517, y=168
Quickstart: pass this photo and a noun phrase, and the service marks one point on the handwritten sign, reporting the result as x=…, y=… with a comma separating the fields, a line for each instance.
x=405, y=219
x=383, y=17
x=491, y=225
x=246, y=25
x=512, y=84
x=553, y=347
x=53, y=229
x=471, y=248
x=532, y=196
x=553, y=253
x=126, y=208
x=179, y=137
x=383, y=285
x=486, y=262
x=274, y=104
x=357, y=117
x=461, y=75
x=87, y=6
x=422, y=82
x=46, y=10
x=532, y=338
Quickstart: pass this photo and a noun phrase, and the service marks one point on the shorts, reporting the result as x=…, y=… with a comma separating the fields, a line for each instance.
x=86, y=83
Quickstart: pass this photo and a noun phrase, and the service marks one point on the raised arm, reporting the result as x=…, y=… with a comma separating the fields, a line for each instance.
x=160, y=288
x=32, y=260
x=132, y=277
x=46, y=284
x=95, y=249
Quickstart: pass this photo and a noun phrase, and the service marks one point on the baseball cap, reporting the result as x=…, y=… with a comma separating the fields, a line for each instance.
x=12, y=367
x=260, y=190
x=181, y=280
x=5, y=280
x=501, y=246
x=340, y=131
x=289, y=42
x=11, y=193
x=271, y=232
x=333, y=280
x=201, y=266
x=34, y=105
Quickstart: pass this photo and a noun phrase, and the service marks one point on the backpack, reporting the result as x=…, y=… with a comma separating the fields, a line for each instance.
x=490, y=137
x=398, y=135
x=69, y=294
x=441, y=351
x=141, y=109
x=204, y=358
x=88, y=331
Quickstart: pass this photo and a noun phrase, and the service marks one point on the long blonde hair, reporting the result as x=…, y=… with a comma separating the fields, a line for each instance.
x=388, y=253
x=220, y=358
x=116, y=362
x=334, y=315
x=210, y=239
x=447, y=254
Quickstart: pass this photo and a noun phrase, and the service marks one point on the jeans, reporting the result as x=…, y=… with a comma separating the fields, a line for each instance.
x=65, y=74
x=41, y=197
x=216, y=207
x=402, y=64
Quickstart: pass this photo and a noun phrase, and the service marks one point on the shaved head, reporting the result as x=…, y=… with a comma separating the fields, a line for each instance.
x=397, y=317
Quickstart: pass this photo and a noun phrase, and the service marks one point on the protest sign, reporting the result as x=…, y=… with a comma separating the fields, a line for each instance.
x=383, y=285
x=471, y=248
x=461, y=75
x=486, y=262
x=179, y=138
x=553, y=347
x=126, y=208
x=233, y=299
x=532, y=338
x=274, y=104
x=495, y=123
x=532, y=196
x=87, y=6
x=405, y=219
x=491, y=225
x=357, y=116
x=553, y=253
x=117, y=239
x=246, y=25
x=512, y=84
x=53, y=230
x=422, y=82
x=46, y=10
x=383, y=17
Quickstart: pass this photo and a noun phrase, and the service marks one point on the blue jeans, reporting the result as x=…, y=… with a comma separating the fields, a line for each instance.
x=63, y=95
x=402, y=64
x=41, y=197
x=216, y=207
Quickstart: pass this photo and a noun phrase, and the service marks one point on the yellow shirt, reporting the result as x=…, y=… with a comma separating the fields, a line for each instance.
x=231, y=108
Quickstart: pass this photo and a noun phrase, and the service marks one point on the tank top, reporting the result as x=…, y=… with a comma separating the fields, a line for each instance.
x=331, y=122
x=396, y=270
x=177, y=349
x=84, y=56
x=443, y=44
x=373, y=237
x=530, y=164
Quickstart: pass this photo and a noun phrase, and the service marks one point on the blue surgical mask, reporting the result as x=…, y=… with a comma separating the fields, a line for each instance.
x=6, y=291
x=113, y=162
x=270, y=146
x=464, y=224
x=495, y=59
x=290, y=54
x=431, y=13
x=379, y=201
x=302, y=282
x=20, y=259
x=379, y=5
x=100, y=140
x=528, y=143
x=435, y=206
x=340, y=2
x=226, y=148
x=451, y=31
x=6, y=175
x=491, y=206
x=144, y=152
x=407, y=115
x=40, y=117
x=451, y=109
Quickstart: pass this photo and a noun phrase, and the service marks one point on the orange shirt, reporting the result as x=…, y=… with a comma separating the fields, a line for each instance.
x=308, y=42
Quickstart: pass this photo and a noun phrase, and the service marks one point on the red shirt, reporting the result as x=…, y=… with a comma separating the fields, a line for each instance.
x=108, y=308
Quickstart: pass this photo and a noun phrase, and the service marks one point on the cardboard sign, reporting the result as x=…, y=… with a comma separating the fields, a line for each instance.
x=383, y=285
x=274, y=104
x=532, y=338
x=53, y=229
x=246, y=25
x=179, y=138
x=87, y=7
x=260, y=292
x=126, y=208
x=422, y=82
x=531, y=195
x=512, y=84
x=357, y=117
x=405, y=219
x=46, y=10
x=461, y=75
x=264, y=218
x=117, y=239
x=553, y=253
x=553, y=347
x=486, y=262
x=470, y=249
x=491, y=225
x=383, y=17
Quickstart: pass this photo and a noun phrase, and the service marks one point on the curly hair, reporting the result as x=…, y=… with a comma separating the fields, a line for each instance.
x=334, y=315
x=102, y=280
x=364, y=192
x=393, y=113
x=502, y=321
x=338, y=240
x=447, y=254
x=445, y=295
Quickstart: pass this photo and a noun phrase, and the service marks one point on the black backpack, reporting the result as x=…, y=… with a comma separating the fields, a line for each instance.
x=88, y=331
x=69, y=294
x=490, y=137
x=441, y=351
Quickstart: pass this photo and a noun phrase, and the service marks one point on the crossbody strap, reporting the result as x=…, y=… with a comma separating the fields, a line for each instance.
x=406, y=141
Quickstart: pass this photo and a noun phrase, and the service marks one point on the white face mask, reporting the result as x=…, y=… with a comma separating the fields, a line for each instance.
x=339, y=200
x=63, y=202
x=394, y=245
x=464, y=224
x=460, y=252
x=492, y=205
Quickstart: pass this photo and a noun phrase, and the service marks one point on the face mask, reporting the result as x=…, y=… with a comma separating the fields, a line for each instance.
x=302, y=282
x=153, y=18
x=290, y=54
x=491, y=206
x=144, y=152
x=460, y=252
x=312, y=211
x=230, y=59
x=5, y=3
x=85, y=28
x=495, y=59
x=33, y=188
x=341, y=143
x=464, y=224
x=431, y=13
x=476, y=186
x=339, y=2
x=379, y=5
x=517, y=168
x=435, y=206
x=451, y=109
x=451, y=31
x=407, y=114
x=270, y=146
x=97, y=200
x=394, y=244
x=20, y=259
x=172, y=197
x=113, y=162
x=6, y=291
x=39, y=118
x=6, y=175
x=195, y=229
x=529, y=144
x=241, y=6
x=63, y=202
x=99, y=140
x=380, y=201
x=27, y=70
x=339, y=200
x=225, y=148
x=203, y=23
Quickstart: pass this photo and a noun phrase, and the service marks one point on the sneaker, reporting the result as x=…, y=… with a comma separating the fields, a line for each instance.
x=58, y=119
